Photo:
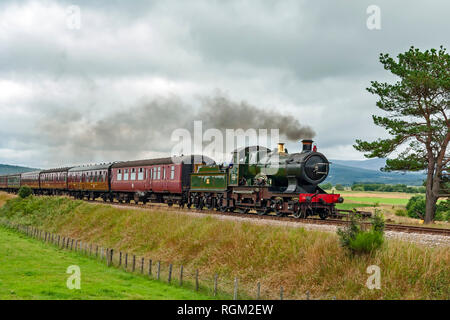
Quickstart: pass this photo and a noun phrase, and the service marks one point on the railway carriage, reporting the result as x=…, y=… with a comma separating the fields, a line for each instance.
x=164, y=180
x=31, y=179
x=54, y=181
x=3, y=182
x=89, y=181
x=13, y=182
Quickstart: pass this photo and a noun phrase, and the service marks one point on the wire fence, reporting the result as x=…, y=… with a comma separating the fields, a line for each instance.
x=173, y=274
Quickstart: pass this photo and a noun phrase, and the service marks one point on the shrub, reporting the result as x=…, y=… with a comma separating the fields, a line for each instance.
x=349, y=233
x=25, y=192
x=366, y=241
x=359, y=241
x=339, y=187
x=416, y=209
x=378, y=221
x=443, y=211
x=401, y=213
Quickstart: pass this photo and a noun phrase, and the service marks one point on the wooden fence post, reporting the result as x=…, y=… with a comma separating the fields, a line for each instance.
x=120, y=258
x=142, y=265
x=71, y=245
x=134, y=263
x=235, y=293
x=181, y=275
x=281, y=293
x=170, y=273
x=196, y=280
x=159, y=270
x=111, y=255
x=307, y=295
x=150, y=267
x=215, y=284
x=126, y=260
x=96, y=250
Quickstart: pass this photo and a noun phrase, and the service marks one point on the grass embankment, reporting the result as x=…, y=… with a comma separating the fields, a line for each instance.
x=296, y=259
x=33, y=270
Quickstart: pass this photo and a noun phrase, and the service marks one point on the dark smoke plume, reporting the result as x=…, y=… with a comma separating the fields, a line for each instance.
x=147, y=127
x=221, y=113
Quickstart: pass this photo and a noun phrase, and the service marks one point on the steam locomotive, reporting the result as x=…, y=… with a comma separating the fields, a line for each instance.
x=266, y=181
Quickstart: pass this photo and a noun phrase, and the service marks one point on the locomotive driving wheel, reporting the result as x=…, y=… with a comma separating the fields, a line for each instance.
x=277, y=207
x=263, y=211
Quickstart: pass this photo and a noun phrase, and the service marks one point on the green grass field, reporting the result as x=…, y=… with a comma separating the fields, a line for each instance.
x=374, y=200
x=30, y=269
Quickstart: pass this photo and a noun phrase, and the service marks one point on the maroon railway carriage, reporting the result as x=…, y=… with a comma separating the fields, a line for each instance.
x=165, y=180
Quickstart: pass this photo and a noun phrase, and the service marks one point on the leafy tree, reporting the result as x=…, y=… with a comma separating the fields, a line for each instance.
x=339, y=187
x=416, y=116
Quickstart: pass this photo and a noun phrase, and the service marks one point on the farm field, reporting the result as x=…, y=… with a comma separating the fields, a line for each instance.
x=33, y=270
x=275, y=256
x=387, y=202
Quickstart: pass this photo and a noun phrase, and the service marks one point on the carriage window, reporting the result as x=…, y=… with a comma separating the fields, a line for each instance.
x=159, y=173
x=133, y=174
x=125, y=174
x=163, y=172
x=141, y=174
x=119, y=175
x=172, y=172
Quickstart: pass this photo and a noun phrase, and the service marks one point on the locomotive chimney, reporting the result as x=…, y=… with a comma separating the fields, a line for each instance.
x=307, y=145
x=281, y=148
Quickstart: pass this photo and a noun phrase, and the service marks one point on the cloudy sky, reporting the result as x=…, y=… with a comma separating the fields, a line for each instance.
x=116, y=85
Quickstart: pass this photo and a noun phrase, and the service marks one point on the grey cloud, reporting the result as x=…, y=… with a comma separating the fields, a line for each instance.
x=149, y=125
x=311, y=60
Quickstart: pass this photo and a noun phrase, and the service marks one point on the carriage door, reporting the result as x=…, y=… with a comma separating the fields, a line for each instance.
x=164, y=177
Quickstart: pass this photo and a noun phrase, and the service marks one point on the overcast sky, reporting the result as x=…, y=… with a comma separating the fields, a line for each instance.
x=114, y=88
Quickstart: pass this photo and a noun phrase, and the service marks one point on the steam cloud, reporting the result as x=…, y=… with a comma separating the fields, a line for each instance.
x=132, y=133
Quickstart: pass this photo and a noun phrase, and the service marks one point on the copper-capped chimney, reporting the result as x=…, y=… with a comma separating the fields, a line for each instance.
x=307, y=145
x=281, y=148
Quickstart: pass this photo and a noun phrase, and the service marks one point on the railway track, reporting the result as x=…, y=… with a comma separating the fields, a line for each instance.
x=335, y=222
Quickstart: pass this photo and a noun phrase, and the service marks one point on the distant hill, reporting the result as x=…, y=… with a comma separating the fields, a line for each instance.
x=347, y=175
x=369, y=164
x=8, y=169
